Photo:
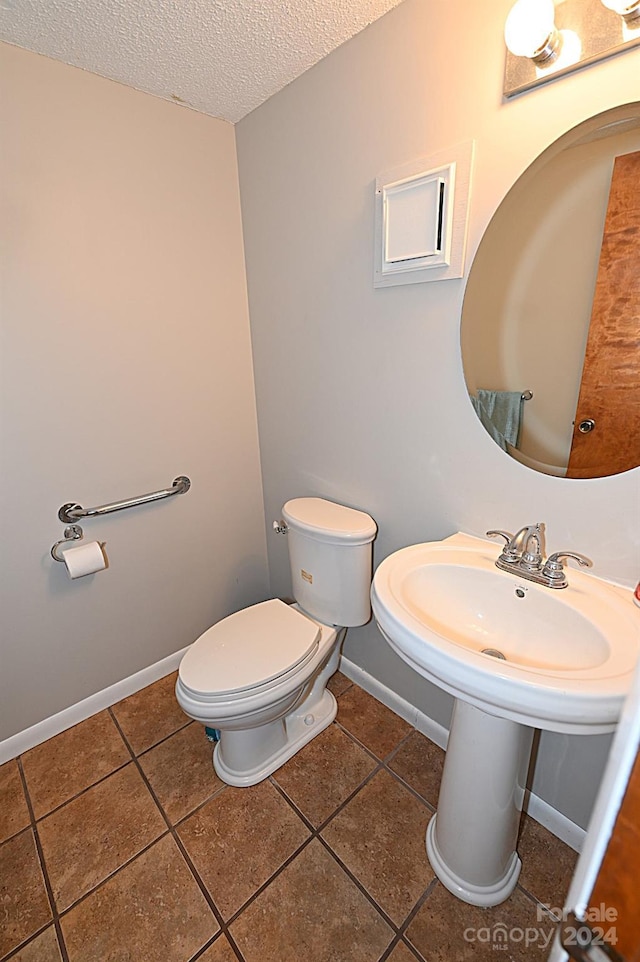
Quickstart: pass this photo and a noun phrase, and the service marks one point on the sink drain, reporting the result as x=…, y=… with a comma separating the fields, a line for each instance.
x=494, y=653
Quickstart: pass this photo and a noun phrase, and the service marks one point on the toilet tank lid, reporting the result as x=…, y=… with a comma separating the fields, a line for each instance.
x=328, y=521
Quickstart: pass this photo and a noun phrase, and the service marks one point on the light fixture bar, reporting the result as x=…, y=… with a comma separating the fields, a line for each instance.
x=600, y=29
x=629, y=10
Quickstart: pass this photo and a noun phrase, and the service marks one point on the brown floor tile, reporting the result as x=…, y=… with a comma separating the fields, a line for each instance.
x=180, y=771
x=14, y=814
x=419, y=762
x=547, y=863
x=239, y=839
x=380, y=837
x=401, y=954
x=446, y=929
x=90, y=837
x=151, y=714
x=311, y=911
x=338, y=684
x=24, y=906
x=372, y=723
x=321, y=776
x=220, y=951
x=151, y=910
x=71, y=761
x=44, y=948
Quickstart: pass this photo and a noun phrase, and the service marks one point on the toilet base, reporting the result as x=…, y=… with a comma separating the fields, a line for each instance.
x=265, y=749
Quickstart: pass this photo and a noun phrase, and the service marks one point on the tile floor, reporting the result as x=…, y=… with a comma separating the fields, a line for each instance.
x=120, y=844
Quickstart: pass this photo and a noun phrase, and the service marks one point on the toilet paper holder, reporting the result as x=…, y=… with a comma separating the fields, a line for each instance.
x=72, y=533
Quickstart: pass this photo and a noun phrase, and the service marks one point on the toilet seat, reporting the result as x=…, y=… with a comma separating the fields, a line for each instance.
x=249, y=651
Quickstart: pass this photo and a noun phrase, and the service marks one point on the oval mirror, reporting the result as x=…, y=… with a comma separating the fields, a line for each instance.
x=551, y=316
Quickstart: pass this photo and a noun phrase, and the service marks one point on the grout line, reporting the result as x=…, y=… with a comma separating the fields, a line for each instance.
x=15, y=835
x=416, y=794
x=234, y=945
x=538, y=904
x=107, y=878
x=43, y=867
x=410, y=947
x=272, y=878
x=27, y=942
x=357, y=741
x=203, y=888
x=399, y=940
x=395, y=941
x=176, y=838
x=381, y=764
x=320, y=828
x=416, y=908
x=204, y=948
x=384, y=763
x=384, y=759
x=309, y=825
x=82, y=791
x=194, y=811
x=165, y=738
x=217, y=938
x=394, y=751
x=316, y=832
x=360, y=886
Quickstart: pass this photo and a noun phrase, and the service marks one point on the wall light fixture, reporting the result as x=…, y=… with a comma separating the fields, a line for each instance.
x=530, y=31
x=629, y=10
x=546, y=40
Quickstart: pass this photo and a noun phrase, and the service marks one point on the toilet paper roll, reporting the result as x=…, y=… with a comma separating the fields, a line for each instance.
x=85, y=559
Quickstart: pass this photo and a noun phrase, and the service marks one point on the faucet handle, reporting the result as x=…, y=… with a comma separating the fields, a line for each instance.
x=509, y=554
x=503, y=534
x=554, y=570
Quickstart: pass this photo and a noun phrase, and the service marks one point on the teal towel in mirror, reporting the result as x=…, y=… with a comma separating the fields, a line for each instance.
x=501, y=414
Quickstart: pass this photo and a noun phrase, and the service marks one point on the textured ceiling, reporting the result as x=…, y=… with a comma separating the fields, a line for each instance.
x=222, y=57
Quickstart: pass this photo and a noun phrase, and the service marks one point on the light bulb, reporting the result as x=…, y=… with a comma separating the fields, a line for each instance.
x=627, y=9
x=530, y=30
x=569, y=54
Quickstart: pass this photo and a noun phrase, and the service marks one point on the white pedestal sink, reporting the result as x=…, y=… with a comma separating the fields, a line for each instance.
x=516, y=656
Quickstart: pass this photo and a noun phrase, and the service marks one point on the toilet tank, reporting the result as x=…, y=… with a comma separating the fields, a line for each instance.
x=330, y=558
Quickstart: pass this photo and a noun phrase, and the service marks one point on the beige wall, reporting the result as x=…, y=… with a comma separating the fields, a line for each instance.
x=126, y=361
x=361, y=396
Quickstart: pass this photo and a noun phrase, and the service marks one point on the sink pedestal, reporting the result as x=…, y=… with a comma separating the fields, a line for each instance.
x=471, y=841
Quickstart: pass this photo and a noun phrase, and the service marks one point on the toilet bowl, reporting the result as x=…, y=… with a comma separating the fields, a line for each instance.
x=259, y=676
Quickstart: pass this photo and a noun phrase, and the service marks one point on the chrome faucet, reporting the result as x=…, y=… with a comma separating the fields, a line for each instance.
x=523, y=554
x=523, y=547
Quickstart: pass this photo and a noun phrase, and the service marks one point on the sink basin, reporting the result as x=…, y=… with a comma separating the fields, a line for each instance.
x=516, y=656
x=559, y=660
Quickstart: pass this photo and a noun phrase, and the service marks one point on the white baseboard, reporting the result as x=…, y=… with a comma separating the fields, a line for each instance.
x=557, y=823
x=543, y=813
x=426, y=726
x=30, y=737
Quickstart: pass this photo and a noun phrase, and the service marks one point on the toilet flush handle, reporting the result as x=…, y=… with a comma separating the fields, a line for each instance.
x=280, y=527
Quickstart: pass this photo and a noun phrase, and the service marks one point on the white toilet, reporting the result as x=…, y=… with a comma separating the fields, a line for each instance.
x=260, y=675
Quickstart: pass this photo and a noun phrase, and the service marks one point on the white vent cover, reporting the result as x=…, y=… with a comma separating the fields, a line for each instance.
x=421, y=219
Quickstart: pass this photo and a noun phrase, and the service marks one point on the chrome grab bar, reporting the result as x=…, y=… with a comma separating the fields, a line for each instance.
x=74, y=512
